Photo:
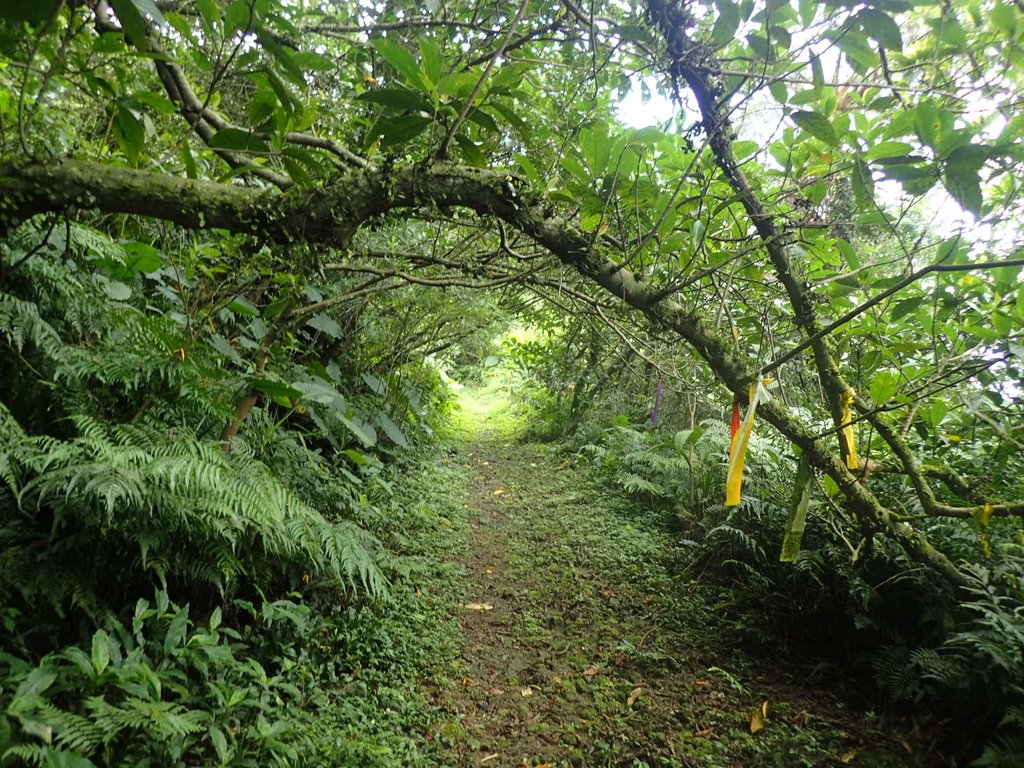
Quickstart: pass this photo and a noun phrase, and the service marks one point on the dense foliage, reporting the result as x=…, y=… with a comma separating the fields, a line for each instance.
x=237, y=235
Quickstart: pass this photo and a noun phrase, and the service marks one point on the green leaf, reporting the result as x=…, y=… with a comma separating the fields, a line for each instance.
x=142, y=257
x=239, y=17
x=1004, y=18
x=31, y=12
x=242, y=306
x=727, y=23
x=816, y=125
x=392, y=430
x=884, y=386
x=363, y=431
x=58, y=758
x=236, y=139
x=863, y=184
x=402, y=61
x=130, y=133
x=904, y=307
x=117, y=290
x=100, y=651
x=888, y=149
x=948, y=30
x=965, y=187
x=373, y=382
x=470, y=151
x=37, y=682
x=399, y=98
x=879, y=26
x=325, y=324
x=220, y=744
x=176, y=630
x=398, y=130
x=431, y=58
x=275, y=389
x=132, y=15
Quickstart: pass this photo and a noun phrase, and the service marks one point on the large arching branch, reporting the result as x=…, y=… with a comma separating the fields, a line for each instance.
x=332, y=214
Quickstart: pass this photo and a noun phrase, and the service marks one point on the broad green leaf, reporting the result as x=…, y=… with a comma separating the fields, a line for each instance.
x=431, y=58
x=275, y=389
x=1004, y=17
x=816, y=125
x=879, y=26
x=948, y=30
x=403, y=61
x=778, y=90
x=400, y=98
x=220, y=744
x=176, y=630
x=808, y=9
x=31, y=12
x=238, y=140
x=470, y=151
x=886, y=149
x=239, y=17
x=133, y=17
x=863, y=184
x=965, y=187
x=142, y=257
x=58, y=758
x=242, y=306
x=884, y=386
x=398, y=130
x=727, y=23
x=37, y=682
x=130, y=133
x=362, y=431
x=100, y=651
x=325, y=324
x=859, y=53
x=373, y=382
x=392, y=430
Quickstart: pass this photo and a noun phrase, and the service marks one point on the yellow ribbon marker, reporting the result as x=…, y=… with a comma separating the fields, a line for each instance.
x=984, y=515
x=847, y=440
x=738, y=448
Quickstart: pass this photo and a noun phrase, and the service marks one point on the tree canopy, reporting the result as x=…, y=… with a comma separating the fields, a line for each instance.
x=778, y=224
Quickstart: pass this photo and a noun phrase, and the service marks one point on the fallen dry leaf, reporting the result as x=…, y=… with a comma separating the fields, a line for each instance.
x=480, y=606
x=527, y=691
x=758, y=716
x=590, y=672
x=634, y=695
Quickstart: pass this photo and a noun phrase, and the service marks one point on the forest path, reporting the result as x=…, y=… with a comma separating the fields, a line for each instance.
x=583, y=646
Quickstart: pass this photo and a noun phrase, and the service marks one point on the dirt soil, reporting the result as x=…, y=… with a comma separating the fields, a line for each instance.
x=585, y=645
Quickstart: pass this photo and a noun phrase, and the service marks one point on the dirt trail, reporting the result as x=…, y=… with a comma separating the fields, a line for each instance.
x=582, y=647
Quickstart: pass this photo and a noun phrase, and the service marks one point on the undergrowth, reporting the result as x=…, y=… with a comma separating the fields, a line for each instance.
x=173, y=591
